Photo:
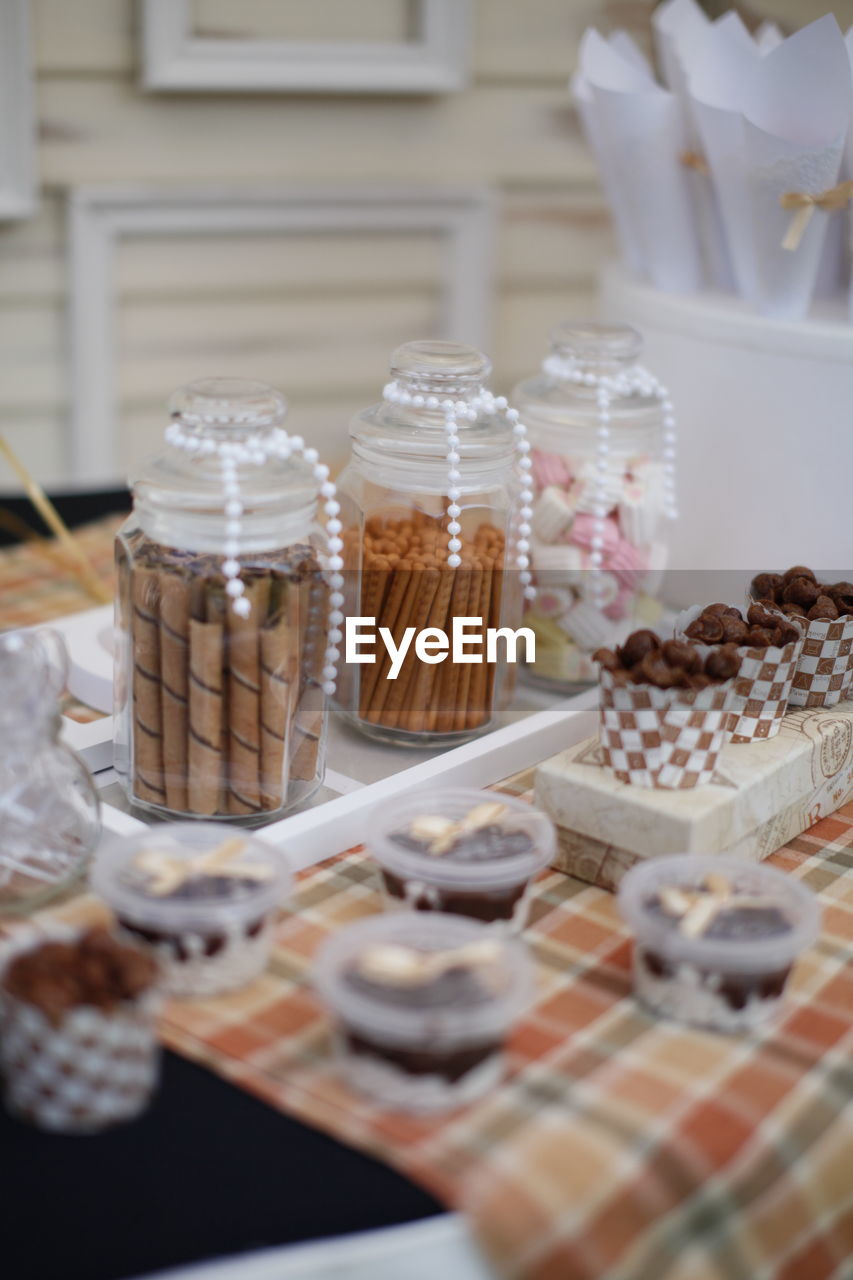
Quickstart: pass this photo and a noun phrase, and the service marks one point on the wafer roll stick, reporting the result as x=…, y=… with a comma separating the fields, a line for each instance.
x=207, y=648
x=408, y=604
x=421, y=691
x=309, y=720
x=443, y=713
x=147, y=713
x=399, y=581
x=244, y=708
x=279, y=671
x=399, y=710
x=174, y=663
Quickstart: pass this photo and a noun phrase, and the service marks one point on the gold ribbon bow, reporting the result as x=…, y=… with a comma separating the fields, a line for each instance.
x=694, y=160
x=803, y=205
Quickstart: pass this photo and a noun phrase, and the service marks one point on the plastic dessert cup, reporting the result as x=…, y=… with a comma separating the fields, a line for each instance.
x=490, y=881
x=724, y=962
x=202, y=900
x=426, y=1044
x=77, y=1067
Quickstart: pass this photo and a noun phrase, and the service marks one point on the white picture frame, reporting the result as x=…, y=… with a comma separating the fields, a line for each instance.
x=17, y=113
x=100, y=216
x=174, y=59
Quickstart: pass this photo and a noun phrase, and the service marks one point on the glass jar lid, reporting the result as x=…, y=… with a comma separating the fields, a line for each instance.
x=238, y=419
x=596, y=345
x=440, y=368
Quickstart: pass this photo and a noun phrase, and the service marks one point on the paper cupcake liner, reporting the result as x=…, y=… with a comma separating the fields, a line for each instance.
x=824, y=673
x=762, y=687
x=663, y=738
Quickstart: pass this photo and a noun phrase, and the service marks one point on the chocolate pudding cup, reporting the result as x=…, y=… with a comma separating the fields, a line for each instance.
x=434, y=1045
x=214, y=933
x=731, y=975
x=492, y=883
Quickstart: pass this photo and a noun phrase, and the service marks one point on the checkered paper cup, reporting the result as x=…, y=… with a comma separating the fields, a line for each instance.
x=664, y=738
x=94, y=1069
x=824, y=673
x=762, y=687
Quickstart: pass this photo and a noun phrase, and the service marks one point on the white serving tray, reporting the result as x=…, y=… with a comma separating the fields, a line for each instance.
x=360, y=773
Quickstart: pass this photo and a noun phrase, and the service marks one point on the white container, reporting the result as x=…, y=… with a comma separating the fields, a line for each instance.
x=765, y=446
x=719, y=982
x=207, y=944
x=414, y=1058
x=494, y=890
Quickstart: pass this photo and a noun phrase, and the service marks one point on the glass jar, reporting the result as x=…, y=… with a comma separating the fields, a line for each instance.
x=222, y=613
x=49, y=808
x=429, y=504
x=602, y=435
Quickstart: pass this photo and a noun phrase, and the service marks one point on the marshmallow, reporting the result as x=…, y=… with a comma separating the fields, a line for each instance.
x=639, y=514
x=585, y=528
x=551, y=514
x=587, y=626
x=620, y=606
x=627, y=563
x=552, y=602
x=557, y=566
x=550, y=469
x=585, y=490
x=601, y=588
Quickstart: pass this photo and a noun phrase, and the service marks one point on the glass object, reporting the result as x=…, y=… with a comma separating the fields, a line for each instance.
x=222, y=614
x=422, y=1006
x=715, y=939
x=204, y=906
x=600, y=431
x=429, y=516
x=461, y=851
x=49, y=809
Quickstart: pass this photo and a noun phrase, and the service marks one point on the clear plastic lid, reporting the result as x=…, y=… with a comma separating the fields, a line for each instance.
x=190, y=876
x=662, y=932
x=454, y=804
x=502, y=964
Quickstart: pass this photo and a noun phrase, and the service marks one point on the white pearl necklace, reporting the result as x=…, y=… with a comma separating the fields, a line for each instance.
x=469, y=410
x=608, y=387
x=257, y=450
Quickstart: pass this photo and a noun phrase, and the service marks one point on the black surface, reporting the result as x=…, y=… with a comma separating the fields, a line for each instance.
x=75, y=508
x=208, y=1170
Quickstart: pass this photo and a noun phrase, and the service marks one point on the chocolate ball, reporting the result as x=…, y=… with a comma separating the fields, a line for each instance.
x=793, y=610
x=804, y=591
x=638, y=644
x=707, y=629
x=723, y=663
x=680, y=654
x=765, y=585
x=734, y=628
x=654, y=669
x=824, y=608
x=607, y=660
x=798, y=571
x=842, y=594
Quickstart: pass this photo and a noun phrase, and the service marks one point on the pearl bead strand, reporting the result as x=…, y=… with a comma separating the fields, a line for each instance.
x=257, y=450
x=456, y=411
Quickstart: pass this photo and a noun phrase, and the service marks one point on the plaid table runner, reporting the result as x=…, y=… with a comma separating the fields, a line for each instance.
x=620, y=1147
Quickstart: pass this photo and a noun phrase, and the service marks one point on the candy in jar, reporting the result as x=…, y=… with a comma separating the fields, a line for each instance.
x=432, y=504
x=602, y=436
x=223, y=662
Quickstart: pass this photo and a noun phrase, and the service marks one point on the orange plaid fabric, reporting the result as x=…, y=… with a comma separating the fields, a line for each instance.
x=619, y=1146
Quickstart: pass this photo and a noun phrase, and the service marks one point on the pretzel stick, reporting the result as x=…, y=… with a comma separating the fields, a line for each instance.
x=399, y=705
x=408, y=605
x=420, y=694
x=443, y=713
x=375, y=674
